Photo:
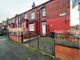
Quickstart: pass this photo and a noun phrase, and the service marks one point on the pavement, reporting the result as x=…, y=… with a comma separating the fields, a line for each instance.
x=10, y=50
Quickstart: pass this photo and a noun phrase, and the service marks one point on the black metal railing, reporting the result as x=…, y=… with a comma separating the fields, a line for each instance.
x=47, y=43
x=67, y=39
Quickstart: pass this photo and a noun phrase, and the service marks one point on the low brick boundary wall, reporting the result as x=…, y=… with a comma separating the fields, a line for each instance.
x=67, y=53
x=22, y=36
x=16, y=38
x=29, y=35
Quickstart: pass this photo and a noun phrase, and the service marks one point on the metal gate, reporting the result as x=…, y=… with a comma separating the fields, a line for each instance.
x=43, y=43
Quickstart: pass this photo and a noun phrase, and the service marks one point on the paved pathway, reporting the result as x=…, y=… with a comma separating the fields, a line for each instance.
x=14, y=51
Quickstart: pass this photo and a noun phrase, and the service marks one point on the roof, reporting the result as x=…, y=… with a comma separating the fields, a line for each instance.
x=33, y=8
x=37, y=6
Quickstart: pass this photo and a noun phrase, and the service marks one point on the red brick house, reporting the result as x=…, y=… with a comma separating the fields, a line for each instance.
x=51, y=16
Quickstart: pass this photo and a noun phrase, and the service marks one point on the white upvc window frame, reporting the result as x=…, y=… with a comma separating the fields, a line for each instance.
x=26, y=16
x=10, y=21
x=13, y=20
x=4, y=23
x=44, y=12
x=31, y=27
x=17, y=21
x=33, y=15
x=23, y=24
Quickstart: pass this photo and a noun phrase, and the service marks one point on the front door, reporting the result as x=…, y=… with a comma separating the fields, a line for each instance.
x=44, y=28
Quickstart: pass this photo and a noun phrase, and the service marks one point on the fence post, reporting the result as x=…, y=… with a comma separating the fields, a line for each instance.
x=38, y=42
x=21, y=37
x=53, y=42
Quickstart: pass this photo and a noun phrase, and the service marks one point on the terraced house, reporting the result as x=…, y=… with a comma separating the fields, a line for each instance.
x=51, y=16
x=54, y=16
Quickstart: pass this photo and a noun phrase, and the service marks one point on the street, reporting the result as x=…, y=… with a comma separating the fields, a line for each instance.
x=10, y=50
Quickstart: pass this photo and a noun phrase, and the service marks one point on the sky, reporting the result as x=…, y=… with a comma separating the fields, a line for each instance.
x=9, y=8
x=74, y=15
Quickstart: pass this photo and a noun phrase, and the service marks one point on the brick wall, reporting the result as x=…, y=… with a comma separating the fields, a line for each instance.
x=66, y=53
x=54, y=20
x=15, y=38
x=57, y=7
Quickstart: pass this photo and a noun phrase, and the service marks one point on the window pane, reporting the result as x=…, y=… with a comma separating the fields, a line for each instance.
x=17, y=21
x=25, y=16
x=43, y=12
x=10, y=21
x=33, y=15
x=22, y=25
x=13, y=20
x=31, y=27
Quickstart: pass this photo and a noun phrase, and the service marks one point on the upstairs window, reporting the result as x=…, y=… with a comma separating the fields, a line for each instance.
x=43, y=12
x=10, y=21
x=33, y=15
x=24, y=25
x=4, y=23
x=26, y=16
x=17, y=21
x=13, y=20
x=31, y=27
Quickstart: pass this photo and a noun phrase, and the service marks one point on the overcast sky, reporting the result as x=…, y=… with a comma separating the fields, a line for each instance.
x=8, y=8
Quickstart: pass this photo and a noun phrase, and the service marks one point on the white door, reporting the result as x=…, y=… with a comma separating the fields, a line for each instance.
x=44, y=28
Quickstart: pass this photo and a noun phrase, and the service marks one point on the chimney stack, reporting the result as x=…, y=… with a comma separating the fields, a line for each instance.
x=33, y=5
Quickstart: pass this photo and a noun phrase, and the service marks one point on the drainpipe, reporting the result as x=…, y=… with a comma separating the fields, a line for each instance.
x=38, y=12
x=38, y=20
x=38, y=24
x=17, y=25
